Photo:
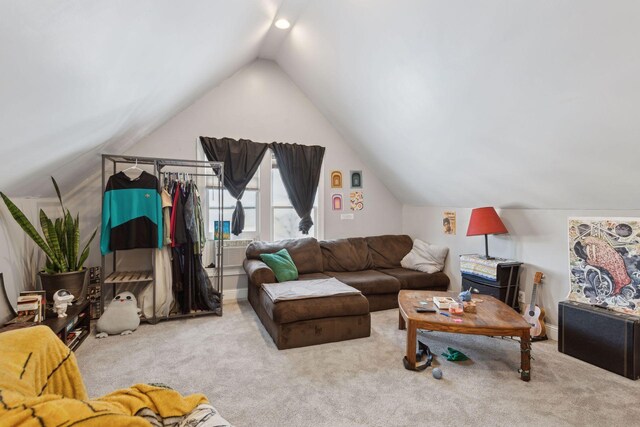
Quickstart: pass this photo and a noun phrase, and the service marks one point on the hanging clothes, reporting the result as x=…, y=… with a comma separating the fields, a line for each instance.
x=192, y=287
x=131, y=213
x=164, y=291
x=166, y=216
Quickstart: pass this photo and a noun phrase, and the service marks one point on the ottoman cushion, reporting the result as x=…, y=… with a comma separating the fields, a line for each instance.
x=313, y=308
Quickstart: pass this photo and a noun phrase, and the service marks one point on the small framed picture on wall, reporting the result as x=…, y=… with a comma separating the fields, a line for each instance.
x=356, y=179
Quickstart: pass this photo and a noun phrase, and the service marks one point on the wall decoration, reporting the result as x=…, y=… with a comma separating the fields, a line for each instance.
x=357, y=202
x=225, y=232
x=449, y=222
x=336, y=202
x=356, y=179
x=604, y=262
x=336, y=179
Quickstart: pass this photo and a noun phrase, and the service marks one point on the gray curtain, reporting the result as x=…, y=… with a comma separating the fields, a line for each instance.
x=300, y=171
x=241, y=160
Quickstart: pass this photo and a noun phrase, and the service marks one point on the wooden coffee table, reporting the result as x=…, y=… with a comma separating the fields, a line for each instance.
x=493, y=318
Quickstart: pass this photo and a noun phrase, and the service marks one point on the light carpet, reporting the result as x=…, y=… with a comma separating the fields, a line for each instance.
x=360, y=382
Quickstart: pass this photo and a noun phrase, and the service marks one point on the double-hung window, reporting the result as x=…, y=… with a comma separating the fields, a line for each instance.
x=250, y=204
x=285, y=220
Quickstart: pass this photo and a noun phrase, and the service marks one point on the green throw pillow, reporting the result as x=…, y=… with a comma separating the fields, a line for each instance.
x=281, y=264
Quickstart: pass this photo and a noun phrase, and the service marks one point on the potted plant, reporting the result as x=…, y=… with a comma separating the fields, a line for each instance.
x=60, y=242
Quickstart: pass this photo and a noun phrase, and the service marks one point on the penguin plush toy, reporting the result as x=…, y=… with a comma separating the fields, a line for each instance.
x=122, y=316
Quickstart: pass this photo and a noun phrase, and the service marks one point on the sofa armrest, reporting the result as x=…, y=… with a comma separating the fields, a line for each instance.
x=258, y=272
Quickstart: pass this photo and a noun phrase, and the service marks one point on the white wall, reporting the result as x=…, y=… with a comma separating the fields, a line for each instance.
x=261, y=103
x=19, y=256
x=537, y=237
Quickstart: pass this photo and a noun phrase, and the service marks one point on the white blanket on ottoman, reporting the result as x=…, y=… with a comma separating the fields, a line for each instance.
x=301, y=289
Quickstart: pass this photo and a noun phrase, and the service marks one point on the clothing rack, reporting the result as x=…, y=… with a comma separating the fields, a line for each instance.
x=160, y=168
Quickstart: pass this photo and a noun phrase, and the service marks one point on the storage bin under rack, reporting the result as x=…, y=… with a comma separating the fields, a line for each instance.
x=147, y=277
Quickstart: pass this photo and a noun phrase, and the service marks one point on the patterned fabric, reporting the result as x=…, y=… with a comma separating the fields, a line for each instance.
x=478, y=266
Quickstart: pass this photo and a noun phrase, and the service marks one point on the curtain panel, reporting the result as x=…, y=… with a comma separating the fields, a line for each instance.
x=300, y=167
x=241, y=160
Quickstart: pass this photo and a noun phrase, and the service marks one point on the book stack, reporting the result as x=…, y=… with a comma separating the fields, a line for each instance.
x=31, y=307
x=74, y=337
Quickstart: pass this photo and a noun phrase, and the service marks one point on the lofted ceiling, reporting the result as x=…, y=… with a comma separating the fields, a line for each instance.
x=83, y=77
x=510, y=103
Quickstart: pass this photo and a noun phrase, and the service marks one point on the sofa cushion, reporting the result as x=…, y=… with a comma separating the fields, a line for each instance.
x=411, y=279
x=314, y=308
x=425, y=257
x=305, y=252
x=368, y=282
x=387, y=251
x=281, y=264
x=350, y=254
x=312, y=276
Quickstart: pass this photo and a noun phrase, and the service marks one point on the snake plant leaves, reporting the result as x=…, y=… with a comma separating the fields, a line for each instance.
x=60, y=238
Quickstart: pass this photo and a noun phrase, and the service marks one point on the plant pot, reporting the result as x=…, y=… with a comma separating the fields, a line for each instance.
x=72, y=281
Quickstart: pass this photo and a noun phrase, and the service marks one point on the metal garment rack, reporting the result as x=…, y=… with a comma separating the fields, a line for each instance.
x=161, y=166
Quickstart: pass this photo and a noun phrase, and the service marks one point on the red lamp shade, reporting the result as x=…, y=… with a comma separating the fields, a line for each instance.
x=485, y=221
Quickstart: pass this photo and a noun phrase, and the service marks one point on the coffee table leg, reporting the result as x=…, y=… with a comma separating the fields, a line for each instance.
x=411, y=344
x=401, y=323
x=525, y=356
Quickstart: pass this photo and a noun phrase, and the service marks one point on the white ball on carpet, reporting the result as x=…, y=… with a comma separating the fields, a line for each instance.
x=437, y=373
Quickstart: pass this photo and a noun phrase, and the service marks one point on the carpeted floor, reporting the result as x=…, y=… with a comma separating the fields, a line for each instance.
x=360, y=382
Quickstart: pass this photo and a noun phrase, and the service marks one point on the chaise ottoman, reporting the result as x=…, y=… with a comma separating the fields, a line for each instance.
x=308, y=312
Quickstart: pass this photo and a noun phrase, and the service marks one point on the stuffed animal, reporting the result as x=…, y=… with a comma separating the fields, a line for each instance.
x=61, y=300
x=122, y=316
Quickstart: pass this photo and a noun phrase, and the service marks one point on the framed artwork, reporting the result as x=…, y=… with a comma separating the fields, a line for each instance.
x=356, y=179
x=336, y=202
x=336, y=179
x=604, y=262
x=449, y=222
x=224, y=233
x=357, y=201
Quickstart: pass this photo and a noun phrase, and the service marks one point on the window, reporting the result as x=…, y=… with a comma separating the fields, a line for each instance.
x=285, y=220
x=249, y=203
x=268, y=213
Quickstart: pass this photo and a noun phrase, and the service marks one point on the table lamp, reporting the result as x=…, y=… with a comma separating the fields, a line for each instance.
x=485, y=221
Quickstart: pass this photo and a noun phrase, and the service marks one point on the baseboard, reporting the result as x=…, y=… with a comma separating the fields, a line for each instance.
x=552, y=332
x=233, y=295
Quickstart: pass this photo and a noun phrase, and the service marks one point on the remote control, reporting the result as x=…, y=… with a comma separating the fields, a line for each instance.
x=425, y=310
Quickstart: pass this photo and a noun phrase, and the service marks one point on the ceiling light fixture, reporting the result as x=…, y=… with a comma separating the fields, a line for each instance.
x=283, y=24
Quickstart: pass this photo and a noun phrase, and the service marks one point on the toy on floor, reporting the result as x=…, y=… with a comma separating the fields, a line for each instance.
x=437, y=373
x=61, y=300
x=455, y=355
x=122, y=316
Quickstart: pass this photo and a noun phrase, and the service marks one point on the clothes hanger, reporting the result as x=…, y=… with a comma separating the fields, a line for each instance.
x=133, y=168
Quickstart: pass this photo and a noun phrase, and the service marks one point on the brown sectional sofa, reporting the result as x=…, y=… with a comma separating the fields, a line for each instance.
x=369, y=264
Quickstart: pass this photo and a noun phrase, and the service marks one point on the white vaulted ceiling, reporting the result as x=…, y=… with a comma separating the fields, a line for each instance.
x=484, y=102
x=83, y=77
x=512, y=103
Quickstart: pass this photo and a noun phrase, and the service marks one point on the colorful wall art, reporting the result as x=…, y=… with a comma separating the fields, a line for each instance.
x=604, y=262
x=336, y=179
x=356, y=179
x=357, y=201
x=449, y=222
x=336, y=202
x=225, y=233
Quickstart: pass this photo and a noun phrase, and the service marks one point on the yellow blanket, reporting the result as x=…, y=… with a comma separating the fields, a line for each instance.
x=40, y=385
